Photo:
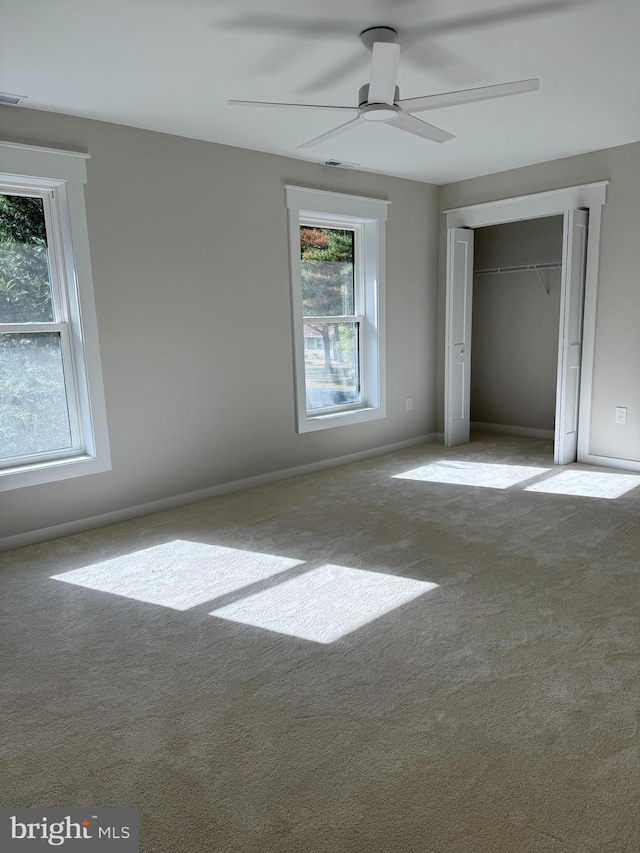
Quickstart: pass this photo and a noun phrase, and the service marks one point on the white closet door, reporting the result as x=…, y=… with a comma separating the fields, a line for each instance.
x=457, y=393
x=570, y=339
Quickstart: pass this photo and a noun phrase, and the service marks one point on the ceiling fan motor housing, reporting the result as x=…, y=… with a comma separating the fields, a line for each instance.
x=363, y=95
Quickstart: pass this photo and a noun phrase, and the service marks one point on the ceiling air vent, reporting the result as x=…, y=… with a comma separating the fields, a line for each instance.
x=14, y=100
x=340, y=164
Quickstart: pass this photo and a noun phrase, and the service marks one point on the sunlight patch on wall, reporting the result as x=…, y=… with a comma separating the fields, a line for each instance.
x=324, y=604
x=587, y=484
x=179, y=574
x=483, y=474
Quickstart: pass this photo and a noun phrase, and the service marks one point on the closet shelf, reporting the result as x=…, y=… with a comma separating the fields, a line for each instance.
x=521, y=268
x=537, y=268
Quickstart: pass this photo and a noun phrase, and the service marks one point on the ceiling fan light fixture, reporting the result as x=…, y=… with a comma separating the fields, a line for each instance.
x=379, y=112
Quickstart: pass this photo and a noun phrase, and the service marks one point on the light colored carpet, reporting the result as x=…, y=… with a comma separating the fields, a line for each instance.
x=472, y=686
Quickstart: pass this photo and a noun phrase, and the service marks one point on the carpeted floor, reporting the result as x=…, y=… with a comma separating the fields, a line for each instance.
x=395, y=662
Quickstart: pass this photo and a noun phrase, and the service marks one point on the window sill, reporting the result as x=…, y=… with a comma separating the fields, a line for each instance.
x=312, y=423
x=36, y=473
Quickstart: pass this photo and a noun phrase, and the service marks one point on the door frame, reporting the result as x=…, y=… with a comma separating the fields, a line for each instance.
x=534, y=206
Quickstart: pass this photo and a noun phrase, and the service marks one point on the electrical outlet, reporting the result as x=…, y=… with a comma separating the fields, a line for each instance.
x=621, y=414
x=409, y=403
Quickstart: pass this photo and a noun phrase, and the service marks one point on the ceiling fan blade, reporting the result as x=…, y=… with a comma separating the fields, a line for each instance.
x=414, y=125
x=468, y=96
x=331, y=133
x=298, y=27
x=468, y=22
x=335, y=75
x=384, y=72
x=291, y=106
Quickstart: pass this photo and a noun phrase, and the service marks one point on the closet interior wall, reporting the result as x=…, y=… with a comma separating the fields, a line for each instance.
x=514, y=349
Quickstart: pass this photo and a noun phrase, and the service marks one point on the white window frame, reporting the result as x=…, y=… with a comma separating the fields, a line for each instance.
x=58, y=178
x=367, y=217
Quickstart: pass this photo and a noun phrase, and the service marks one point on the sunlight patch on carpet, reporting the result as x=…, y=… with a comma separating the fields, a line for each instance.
x=483, y=474
x=324, y=604
x=179, y=574
x=587, y=484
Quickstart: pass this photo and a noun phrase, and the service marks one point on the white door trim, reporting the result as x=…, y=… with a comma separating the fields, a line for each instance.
x=552, y=203
x=574, y=252
x=457, y=368
x=527, y=206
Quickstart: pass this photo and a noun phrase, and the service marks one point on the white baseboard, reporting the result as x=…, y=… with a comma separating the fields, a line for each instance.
x=45, y=534
x=514, y=430
x=609, y=462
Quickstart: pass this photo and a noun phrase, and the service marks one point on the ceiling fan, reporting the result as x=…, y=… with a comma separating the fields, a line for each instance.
x=379, y=100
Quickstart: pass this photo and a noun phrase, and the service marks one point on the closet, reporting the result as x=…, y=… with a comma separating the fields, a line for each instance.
x=517, y=272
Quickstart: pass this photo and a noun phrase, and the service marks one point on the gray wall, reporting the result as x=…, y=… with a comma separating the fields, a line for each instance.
x=514, y=339
x=190, y=263
x=616, y=380
x=529, y=241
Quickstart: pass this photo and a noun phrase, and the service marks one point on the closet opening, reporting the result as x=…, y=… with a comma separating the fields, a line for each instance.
x=458, y=369
x=579, y=208
x=517, y=282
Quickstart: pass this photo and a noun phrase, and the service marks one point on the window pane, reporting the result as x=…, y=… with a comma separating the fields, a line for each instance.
x=331, y=364
x=33, y=401
x=25, y=282
x=326, y=256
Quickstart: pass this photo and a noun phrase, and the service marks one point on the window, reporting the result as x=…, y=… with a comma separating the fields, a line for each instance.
x=337, y=277
x=331, y=299
x=52, y=423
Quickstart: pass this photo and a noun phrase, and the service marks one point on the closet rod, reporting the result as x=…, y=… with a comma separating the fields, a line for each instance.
x=522, y=268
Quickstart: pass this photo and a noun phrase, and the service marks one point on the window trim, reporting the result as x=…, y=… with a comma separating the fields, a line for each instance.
x=368, y=216
x=58, y=177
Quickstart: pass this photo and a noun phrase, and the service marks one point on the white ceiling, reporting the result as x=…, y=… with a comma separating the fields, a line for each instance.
x=171, y=65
